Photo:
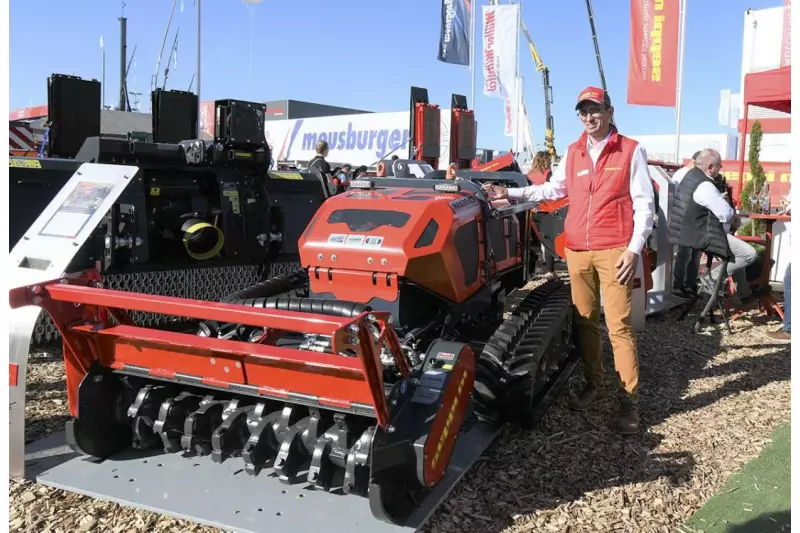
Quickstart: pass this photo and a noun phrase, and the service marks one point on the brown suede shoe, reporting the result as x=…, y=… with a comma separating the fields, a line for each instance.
x=780, y=336
x=589, y=394
x=628, y=421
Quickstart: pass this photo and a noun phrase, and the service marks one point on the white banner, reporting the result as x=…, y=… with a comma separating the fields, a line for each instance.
x=514, y=109
x=527, y=131
x=355, y=139
x=500, y=38
x=509, y=117
x=724, y=113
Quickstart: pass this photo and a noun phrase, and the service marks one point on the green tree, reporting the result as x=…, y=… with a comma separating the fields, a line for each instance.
x=758, y=178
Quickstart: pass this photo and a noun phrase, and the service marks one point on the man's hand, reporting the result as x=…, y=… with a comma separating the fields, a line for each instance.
x=626, y=265
x=736, y=222
x=495, y=191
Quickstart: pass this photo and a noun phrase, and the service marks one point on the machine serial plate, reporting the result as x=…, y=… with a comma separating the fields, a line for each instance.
x=225, y=496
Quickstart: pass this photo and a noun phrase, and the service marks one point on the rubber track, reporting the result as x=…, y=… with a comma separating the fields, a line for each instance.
x=524, y=354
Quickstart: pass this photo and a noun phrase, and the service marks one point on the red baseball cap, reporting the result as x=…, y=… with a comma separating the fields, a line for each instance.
x=593, y=94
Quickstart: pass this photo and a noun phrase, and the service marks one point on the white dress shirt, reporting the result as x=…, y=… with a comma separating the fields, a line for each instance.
x=707, y=195
x=641, y=190
x=680, y=174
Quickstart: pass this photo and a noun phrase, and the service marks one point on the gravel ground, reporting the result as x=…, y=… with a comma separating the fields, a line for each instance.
x=709, y=404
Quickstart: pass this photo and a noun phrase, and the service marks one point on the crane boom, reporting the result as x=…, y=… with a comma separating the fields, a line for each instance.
x=597, y=49
x=549, y=132
x=171, y=56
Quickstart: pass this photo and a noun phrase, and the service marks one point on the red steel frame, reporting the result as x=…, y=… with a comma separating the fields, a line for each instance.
x=81, y=312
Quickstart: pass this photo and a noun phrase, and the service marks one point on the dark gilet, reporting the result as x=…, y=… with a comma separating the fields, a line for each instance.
x=693, y=225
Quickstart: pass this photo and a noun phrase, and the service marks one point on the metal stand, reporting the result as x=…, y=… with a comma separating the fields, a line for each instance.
x=45, y=253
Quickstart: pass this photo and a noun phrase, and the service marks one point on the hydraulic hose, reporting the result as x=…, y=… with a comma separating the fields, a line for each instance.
x=267, y=295
x=270, y=287
x=318, y=306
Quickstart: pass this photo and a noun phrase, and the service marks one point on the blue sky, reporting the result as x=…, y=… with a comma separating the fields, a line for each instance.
x=318, y=51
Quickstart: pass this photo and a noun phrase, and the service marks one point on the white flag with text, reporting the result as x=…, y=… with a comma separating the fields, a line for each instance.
x=500, y=37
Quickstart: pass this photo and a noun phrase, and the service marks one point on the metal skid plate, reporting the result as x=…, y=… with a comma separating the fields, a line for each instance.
x=224, y=496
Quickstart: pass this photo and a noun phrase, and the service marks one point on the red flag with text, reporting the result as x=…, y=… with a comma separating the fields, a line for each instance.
x=653, y=61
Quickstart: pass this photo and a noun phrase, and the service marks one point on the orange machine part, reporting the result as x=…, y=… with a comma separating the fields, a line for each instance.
x=385, y=234
x=442, y=437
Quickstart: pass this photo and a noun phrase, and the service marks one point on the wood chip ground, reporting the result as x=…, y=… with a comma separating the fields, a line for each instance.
x=709, y=404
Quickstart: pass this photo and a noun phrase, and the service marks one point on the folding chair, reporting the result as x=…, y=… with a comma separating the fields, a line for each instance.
x=715, y=291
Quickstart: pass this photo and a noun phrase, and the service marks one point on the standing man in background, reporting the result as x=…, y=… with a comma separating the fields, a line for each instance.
x=319, y=162
x=609, y=220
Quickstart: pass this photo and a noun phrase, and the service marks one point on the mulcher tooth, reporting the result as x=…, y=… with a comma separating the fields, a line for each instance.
x=330, y=452
x=262, y=443
x=230, y=437
x=200, y=425
x=299, y=442
x=144, y=412
x=292, y=452
x=321, y=471
x=319, y=422
x=171, y=417
x=356, y=473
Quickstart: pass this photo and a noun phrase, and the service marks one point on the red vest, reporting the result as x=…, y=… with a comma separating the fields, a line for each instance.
x=600, y=214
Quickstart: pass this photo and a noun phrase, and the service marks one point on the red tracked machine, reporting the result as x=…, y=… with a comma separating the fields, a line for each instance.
x=382, y=369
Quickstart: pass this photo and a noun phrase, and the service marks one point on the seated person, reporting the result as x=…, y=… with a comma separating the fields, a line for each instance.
x=702, y=219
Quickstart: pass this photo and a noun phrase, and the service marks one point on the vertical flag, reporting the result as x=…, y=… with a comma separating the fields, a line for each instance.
x=500, y=36
x=509, y=118
x=454, y=35
x=724, y=113
x=653, y=56
x=786, y=41
x=527, y=132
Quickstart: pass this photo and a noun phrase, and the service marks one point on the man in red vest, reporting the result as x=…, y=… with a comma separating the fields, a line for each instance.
x=610, y=217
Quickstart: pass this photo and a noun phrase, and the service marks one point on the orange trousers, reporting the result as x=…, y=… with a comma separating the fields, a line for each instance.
x=591, y=272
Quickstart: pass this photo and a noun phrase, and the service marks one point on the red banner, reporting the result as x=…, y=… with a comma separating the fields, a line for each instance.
x=653, y=57
x=786, y=41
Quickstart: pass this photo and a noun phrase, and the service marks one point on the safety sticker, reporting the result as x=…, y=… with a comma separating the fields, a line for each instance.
x=285, y=176
x=75, y=212
x=24, y=163
x=337, y=238
x=444, y=356
x=373, y=242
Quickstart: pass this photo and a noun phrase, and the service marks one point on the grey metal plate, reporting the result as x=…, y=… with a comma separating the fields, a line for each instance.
x=224, y=496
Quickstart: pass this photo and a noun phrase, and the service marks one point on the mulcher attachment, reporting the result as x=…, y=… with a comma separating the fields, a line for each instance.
x=323, y=418
x=528, y=358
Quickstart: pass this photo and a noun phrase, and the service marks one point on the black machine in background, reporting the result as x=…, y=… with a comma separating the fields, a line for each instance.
x=201, y=219
x=174, y=116
x=73, y=113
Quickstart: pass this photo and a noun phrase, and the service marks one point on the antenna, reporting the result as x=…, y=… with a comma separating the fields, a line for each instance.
x=172, y=54
x=123, y=41
x=154, y=83
x=135, y=106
